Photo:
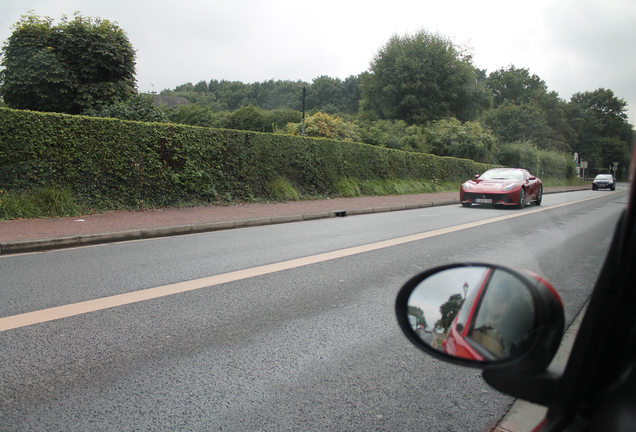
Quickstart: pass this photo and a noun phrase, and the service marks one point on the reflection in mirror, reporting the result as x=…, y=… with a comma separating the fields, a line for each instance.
x=479, y=313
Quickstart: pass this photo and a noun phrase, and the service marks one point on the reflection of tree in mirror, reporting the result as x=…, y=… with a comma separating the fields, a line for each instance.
x=449, y=311
x=419, y=314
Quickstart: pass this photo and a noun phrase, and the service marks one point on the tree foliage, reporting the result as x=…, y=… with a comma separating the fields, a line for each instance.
x=524, y=110
x=601, y=125
x=449, y=311
x=419, y=314
x=420, y=78
x=462, y=140
x=395, y=134
x=326, y=94
x=322, y=125
x=195, y=115
x=136, y=108
x=514, y=85
x=69, y=67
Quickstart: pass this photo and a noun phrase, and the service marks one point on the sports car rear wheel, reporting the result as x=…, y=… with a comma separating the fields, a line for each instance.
x=522, y=198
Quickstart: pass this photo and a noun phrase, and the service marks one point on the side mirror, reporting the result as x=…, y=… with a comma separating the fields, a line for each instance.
x=482, y=315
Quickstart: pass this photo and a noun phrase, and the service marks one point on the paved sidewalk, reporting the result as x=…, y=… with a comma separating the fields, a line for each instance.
x=31, y=235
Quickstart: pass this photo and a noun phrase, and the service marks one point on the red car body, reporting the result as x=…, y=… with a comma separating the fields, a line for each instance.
x=502, y=187
x=455, y=343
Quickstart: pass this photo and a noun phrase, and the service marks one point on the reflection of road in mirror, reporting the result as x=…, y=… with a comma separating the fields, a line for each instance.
x=427, y=337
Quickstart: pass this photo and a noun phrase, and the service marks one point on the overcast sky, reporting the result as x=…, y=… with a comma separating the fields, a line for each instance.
x=573, y=45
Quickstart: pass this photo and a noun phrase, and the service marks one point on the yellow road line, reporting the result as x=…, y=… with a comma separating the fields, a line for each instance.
x=45, y=315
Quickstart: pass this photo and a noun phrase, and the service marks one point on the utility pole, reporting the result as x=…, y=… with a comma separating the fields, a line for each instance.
x=303, y=128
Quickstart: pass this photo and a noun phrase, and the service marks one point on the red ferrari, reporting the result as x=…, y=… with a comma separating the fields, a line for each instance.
x=502, y=187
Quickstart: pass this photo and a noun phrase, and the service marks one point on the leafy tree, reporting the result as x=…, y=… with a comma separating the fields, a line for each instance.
x=187, y=87
x=322, y=125
x=449, y=311
x=522, y=122
x=604, y=135
x=69, y=67
x=561, y=135
x=420, y=78
x=332, y=95
x=325, y=94
x=462, y=140
x=137, y=108
x=201, y=87
x=395, y=134
x=195, y=115
x=609, y=110
x=351, y=94
x=514, y=85
x=271, y=94
x=233, y=94
x=524, y=110
x=419, y=314
x=249, y=118
x=255, y=119
x=279, y=118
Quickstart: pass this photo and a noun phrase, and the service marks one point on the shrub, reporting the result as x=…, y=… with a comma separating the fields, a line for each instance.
x=281, y=190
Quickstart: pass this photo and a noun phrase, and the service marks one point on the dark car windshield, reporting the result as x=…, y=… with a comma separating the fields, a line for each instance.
x=604, y=177
x=502, y=174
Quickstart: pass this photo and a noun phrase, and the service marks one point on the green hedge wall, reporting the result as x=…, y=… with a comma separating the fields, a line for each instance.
x=108, y=162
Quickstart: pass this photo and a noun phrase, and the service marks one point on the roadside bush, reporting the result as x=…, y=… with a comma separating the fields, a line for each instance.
x=322, y=125
x=195, y=115
x=395, y=134
x=248, y=118
x=281, y=190
x=542, y=163
x=139, y=107
x=450, y=137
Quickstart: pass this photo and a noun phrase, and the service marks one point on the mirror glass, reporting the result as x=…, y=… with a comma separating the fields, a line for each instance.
x=478, y=313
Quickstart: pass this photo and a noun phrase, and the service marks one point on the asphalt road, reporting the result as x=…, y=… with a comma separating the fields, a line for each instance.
x=308, y=345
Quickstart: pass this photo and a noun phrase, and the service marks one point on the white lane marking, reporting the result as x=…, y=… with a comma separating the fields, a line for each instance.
x=73, y=309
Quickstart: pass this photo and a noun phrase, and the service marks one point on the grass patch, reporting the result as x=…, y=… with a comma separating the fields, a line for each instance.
x=350, y=188
x=49, y=201
x=556, y=182
x=281, y=190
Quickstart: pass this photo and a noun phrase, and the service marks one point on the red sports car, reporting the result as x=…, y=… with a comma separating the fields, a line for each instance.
x=502, y=187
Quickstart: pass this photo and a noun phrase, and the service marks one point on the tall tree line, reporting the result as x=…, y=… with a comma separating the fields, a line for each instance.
x=401, y=103
x=325, y=94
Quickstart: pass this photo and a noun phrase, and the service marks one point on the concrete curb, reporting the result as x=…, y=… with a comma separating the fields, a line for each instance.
x=45, y=244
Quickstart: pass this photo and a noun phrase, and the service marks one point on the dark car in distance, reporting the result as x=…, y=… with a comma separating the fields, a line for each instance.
x=604, y=181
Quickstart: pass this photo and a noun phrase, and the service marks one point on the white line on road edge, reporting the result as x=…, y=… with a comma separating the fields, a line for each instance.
x=45, y=315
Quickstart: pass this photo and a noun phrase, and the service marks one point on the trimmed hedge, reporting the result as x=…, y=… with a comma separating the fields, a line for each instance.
x=111, y=163
x=543, y=163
